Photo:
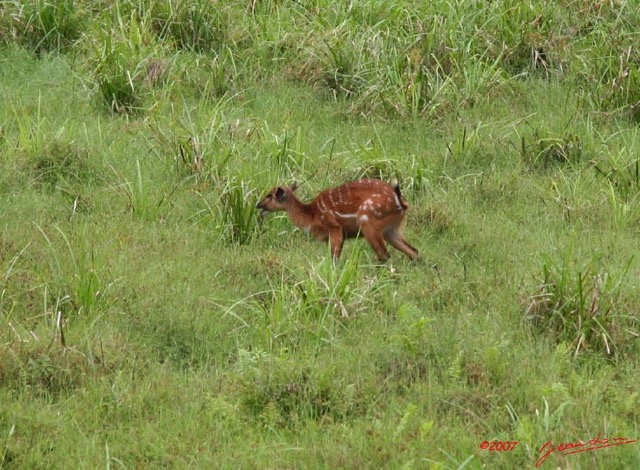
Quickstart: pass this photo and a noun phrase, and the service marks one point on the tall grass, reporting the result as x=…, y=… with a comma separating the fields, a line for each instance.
x=583, y=306
x=402, y=59
x=43, y=26
x=199, y=26
x=122, y=66
x=76, y=284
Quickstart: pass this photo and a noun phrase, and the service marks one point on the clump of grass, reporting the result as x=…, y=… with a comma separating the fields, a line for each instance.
x=36, y=360
x=547, y=151
x=16, y=281
x=343, y=61
x=281, y=395
x=238, y=215
x=343, y=290
x=437, y=216
x=408, y=360
x=141, y=197
x=605, y=63
x=59, y=162
x=207, y=76
x=118, y=80
x=75, y=280
x=622, y=175
x=190, y=149
x=416, y=180
x=125, y=64
x=378, y=72
x=284, y=152
x=418, y=62
x=200, y=26
x=316, y=305
x=371, y=166
x=43, y=371
x=43, y=25
x=623, y=189
x=309, y=308
x=415, y=84
x=178, y=149
x=275, y=36
x=582, y=305
x=234, y=214
x=50, y=161
x=525, y=37
x=189, y=159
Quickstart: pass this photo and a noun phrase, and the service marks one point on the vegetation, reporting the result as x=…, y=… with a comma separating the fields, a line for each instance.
x=148, y=318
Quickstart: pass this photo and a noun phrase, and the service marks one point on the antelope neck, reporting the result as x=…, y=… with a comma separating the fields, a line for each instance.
x=301, y=214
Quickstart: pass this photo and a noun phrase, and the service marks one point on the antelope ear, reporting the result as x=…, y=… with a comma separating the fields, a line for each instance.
x=281, y=195
x=294, y=186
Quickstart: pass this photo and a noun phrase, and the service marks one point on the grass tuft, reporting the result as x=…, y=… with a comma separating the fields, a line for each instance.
x=280, y=395
x=583, y=305
x=200, y=26
x=62, y=162
x=75, y=284
x=49, y=373
x=237, y=214
x=43, y=25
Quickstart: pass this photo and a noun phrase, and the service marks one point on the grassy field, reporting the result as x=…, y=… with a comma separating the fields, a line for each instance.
x=149, y=319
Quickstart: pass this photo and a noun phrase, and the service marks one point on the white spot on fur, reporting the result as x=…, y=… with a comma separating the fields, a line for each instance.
x=367, y=205
x=345, y=216
x=363, y=218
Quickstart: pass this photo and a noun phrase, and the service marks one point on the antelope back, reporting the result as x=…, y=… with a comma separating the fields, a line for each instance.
x=365, y=197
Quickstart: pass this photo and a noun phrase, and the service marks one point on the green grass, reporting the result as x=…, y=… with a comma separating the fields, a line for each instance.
x=148, y=318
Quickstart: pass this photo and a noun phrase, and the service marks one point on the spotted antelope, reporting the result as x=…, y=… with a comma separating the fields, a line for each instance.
x=369, y=207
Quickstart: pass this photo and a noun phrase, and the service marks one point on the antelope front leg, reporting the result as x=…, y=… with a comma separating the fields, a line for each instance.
x=336, y=238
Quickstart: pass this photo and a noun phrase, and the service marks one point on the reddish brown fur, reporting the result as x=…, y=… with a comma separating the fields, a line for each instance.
x=369, y=207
